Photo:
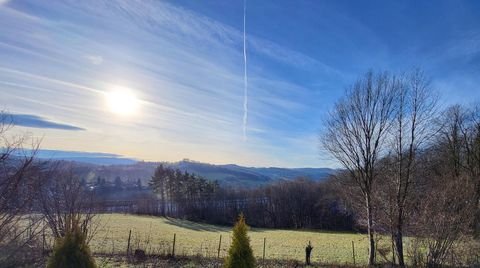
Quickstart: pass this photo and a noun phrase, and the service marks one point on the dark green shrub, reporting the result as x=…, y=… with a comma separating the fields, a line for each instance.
x=240, y=254
x=71, y=250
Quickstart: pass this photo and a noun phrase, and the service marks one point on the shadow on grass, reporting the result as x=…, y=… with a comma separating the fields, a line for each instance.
x=196, y=226
x=313, y=231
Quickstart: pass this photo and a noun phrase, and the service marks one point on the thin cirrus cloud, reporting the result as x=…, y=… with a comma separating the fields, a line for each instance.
x=33, y=121
x=95, y=59
x=187, y=68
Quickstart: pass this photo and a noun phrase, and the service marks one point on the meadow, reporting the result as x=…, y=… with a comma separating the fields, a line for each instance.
x=155, y=236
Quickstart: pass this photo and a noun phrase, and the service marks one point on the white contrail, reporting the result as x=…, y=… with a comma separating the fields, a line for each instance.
x=245, y=78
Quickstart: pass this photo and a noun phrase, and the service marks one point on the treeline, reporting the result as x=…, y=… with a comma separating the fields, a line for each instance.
x=296, y=204
x=181, y=193
x=286, y=204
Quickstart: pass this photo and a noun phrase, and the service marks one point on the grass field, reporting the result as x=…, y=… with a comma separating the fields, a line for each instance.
x=155, y=235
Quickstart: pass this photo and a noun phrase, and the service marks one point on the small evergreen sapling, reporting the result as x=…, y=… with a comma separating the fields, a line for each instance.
x=71, y=250
x=240, y=254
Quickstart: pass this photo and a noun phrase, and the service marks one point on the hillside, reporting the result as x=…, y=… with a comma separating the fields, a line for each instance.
x=227, y=175
x=250, y=176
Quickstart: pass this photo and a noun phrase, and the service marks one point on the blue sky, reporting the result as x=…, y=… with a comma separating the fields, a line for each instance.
x=184, y=62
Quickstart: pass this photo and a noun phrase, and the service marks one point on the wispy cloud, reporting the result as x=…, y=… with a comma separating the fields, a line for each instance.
x=186, y=67
x=33, y=121
x=95, y=59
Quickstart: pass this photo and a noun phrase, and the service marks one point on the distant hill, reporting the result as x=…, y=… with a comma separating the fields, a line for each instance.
x=250, y=176
x=227, y=175
x=109, y=166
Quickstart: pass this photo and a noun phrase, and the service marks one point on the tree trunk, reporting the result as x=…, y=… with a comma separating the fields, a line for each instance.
x=162, y=205
x=371, y=249
x=399, y=246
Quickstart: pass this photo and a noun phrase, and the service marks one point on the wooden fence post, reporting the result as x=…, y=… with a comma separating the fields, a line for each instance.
x=128, y=243
x=173, y=249
x=219, y=246
x=353, y=252
x=264, y=242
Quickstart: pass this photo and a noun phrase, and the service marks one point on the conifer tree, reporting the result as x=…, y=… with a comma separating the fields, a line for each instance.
x=71, y=250
x=240, y=254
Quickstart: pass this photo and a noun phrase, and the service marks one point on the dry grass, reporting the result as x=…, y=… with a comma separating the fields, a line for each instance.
x=155, y=235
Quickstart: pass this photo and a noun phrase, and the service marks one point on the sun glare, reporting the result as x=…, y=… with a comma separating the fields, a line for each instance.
x=122, y=101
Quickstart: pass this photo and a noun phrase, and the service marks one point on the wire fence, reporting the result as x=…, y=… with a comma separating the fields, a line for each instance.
x=263, y=249
x=215, y=244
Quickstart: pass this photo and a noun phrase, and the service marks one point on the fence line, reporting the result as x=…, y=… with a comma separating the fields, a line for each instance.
x=218, y=248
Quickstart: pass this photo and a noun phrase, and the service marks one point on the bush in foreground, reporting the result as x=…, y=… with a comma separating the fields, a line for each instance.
x=71, y=250
x=240, y=254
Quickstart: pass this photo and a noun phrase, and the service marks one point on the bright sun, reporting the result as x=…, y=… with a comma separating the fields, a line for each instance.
x=122, y=101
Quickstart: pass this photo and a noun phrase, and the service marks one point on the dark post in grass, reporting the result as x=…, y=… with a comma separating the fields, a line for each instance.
x=264, y=241
x=219, y=245
x=353, y=252
x=128, y=243
x=173, y=249
x=308, y=252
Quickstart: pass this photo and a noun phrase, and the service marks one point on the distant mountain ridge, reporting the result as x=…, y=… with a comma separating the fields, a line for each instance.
x=110, y=166
x=250, y=176
x=226, y=175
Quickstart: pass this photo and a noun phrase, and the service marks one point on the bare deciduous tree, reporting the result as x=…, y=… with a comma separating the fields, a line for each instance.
x=412, y=129
x=443, y=214
x=63, y=197
x=356, y=133
x=18, y=183
x=460, y=136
